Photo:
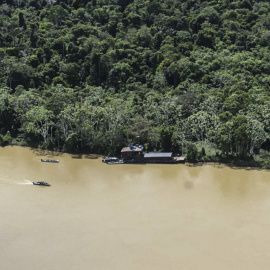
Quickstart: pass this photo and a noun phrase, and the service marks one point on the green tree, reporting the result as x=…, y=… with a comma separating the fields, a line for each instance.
x=256, y=133
x=240, y=135
x=191, y=152
x=39, y=121
x=20, y=74
x=57, y=14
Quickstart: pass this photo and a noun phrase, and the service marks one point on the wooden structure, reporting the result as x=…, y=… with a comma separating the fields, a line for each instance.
x=132, y=153
x=179, y=159
x=163, y=157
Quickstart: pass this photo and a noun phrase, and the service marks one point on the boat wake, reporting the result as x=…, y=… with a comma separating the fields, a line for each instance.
x=25, y=182
x=18, y=181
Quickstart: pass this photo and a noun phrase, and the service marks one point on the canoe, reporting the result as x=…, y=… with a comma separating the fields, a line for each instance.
x=50, y=160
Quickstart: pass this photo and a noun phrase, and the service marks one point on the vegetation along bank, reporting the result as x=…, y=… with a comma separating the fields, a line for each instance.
x=187, y=76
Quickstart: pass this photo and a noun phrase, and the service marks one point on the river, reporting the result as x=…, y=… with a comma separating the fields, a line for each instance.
x=130, y=217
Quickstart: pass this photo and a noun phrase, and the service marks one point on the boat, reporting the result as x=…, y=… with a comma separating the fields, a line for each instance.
x=41, y=183
x=115, y=162
x=50, y=160
x=110, y=159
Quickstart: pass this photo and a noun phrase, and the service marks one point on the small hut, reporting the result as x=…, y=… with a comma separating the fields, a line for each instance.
x=132, y=153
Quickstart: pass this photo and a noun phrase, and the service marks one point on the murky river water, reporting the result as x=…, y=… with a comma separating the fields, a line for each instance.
x=130, y=217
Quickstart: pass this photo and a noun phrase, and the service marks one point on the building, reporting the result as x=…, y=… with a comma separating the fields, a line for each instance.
x=163, y=157
x=132, y=153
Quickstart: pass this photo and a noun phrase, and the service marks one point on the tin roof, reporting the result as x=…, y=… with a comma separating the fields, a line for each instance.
x=132, y=149
x=160, y=155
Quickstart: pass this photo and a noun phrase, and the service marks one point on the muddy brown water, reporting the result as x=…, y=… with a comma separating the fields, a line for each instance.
x=130, y=217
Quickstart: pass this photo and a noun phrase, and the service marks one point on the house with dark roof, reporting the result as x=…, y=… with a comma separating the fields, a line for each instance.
x=132, y=153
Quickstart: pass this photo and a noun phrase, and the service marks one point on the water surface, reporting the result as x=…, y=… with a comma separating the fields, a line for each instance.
x=125, y=217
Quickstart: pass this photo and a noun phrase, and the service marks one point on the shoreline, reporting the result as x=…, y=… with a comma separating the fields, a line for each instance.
x=249, y=162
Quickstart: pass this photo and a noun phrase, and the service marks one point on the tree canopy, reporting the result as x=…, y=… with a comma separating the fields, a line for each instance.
x=96, y=75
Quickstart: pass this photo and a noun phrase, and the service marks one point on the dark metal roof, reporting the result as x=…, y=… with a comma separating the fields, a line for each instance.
x=160, y=155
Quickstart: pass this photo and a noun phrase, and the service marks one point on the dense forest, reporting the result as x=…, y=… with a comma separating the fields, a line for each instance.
x=94, y=76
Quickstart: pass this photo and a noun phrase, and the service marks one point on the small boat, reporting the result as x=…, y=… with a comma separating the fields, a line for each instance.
x=50, y=160
x=115, y=162
x=110, y=159
x=41, y=183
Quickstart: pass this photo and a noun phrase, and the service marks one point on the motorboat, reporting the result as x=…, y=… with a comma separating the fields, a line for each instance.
x=41, y=183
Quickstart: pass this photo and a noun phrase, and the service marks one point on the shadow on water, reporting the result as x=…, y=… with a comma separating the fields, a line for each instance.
x=77, y=156
x=42, y=152
x=86, y=156
x=188, y=185
x=233, y=167
x=223, y=165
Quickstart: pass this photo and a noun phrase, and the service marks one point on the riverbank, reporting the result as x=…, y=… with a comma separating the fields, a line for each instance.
x=209, y=154
x=43, y=151
x=260, y=161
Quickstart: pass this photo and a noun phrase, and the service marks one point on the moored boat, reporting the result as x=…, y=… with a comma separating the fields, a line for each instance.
x=50, y=160
x=110, y=159
x=115, y=162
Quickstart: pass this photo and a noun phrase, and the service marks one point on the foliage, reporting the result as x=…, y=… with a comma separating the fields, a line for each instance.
x=191, y=152
x=97, y=75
